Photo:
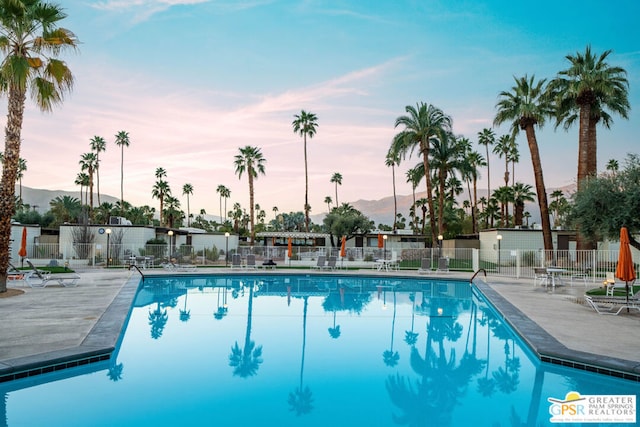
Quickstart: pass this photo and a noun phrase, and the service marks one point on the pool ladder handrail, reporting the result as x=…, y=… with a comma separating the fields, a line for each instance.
x=137, y=268
x=476, y=273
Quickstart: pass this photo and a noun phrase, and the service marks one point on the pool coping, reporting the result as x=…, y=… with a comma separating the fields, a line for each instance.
x=103, y=339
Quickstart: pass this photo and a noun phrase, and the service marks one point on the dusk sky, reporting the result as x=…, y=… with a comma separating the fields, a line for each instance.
x=192, y=81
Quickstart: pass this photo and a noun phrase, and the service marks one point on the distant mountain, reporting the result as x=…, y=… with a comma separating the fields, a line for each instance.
x=39, y=199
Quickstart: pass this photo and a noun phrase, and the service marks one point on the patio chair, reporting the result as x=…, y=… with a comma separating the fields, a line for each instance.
x=41, y=278
x=612, y=285
x=541, y=276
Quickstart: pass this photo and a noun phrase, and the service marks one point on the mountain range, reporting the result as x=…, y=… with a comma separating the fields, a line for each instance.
x=380, y=211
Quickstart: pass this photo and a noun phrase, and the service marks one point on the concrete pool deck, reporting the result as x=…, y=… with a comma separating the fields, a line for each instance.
x=46, y=329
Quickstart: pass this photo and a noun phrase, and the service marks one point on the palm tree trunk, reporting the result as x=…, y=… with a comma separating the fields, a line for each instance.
x=251, y=208
x=122, y=183
x=541, y=190
x=442, y=183
x=427, y=176
x=306, y=187
x=395, y=200
x=474, y=208
x=583, y=165
x=98, y=177
x=9, y=175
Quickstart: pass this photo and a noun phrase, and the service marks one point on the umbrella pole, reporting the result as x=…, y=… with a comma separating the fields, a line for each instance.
x=626, y=289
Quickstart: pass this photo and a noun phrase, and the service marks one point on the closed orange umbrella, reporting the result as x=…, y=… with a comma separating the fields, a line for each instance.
x=23, y=244
x=625, y=270
x=380, y=241
x=343, y=248
x=290, y=248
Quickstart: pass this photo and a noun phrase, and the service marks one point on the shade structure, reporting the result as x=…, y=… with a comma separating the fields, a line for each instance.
x=23, y=243
x=289, y=247
x=343, y=247
x=380, y=241
x=625, y=270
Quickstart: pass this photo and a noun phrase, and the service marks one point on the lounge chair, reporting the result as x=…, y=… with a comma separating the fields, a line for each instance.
x=41, y=278
x=394, y=262
x=321, y=263
x=236, y=261
x=443, y=265
x=331, y=263
x=608, y=305
x=15, y=276
x=170, y=266
x=425, y=266
x=251, y=261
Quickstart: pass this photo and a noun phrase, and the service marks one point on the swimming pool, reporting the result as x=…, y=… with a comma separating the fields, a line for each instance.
x=307, y=350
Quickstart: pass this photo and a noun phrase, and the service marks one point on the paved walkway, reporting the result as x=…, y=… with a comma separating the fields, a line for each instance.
x=54, y=325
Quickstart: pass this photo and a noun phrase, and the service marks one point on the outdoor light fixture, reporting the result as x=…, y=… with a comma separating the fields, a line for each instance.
x=499, y=237
x=384, y=237
x=226, y=250
x=170, y=233
x=108, y=231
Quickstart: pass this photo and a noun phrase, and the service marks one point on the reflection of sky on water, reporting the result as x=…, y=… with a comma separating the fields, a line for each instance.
x=374, y=373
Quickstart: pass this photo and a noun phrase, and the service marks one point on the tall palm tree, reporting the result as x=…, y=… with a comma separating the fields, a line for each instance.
x=421, y=124
x=337, y=179
x=30, y=41
x=502, y=149
x=82, y=179
x=471, y=163
x=172, y=213
x=187, y=189
x=98, y=145
x=392, y=160
x=88, y=162
x=251, y=161
x=305, y=124
x=487, y=137
x=160, y=191
x=525, y=107
x=122, y=140
x=584, y=91
x=446, y=153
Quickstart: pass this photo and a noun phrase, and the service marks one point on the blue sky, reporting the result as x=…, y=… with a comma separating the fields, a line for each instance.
x=192, y=81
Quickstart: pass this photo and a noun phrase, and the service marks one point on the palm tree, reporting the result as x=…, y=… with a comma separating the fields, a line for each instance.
x=160, y=191
x=82, y=179
x=98, y=145
x=172, y=213
x=521, y=193
x=305, y=124
x=328, y=201
x=445, y=158
x=584, y=91
x=472, y=161
x=613, y=166
x=487, y=137
x=187, y=189
x=392, y=160
x=122, y=140
x=502, y=149
x=526, y=107
x=65, y=209
x=421, y=124
x=88, y=162
x=250, y=160
x=30, y=41
x=337, y=179
x=414, y=175
x=224, y=192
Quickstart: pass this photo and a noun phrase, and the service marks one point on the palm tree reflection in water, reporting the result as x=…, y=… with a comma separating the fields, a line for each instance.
x=441, y=380
x=246, y=361
x=301, y=399
x=390, y=357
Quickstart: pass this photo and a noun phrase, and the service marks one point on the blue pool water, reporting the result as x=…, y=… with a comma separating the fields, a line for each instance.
x=306, y=351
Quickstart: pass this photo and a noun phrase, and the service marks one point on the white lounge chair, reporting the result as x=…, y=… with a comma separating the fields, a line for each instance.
x=612, y=306
x=443, y=265
x=41, y=278
x=251, y=261
x=331, y=263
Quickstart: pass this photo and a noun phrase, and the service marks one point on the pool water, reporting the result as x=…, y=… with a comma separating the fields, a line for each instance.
x=332, y=350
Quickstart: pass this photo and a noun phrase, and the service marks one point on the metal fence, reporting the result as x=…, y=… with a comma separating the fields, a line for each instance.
x=510, y=263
